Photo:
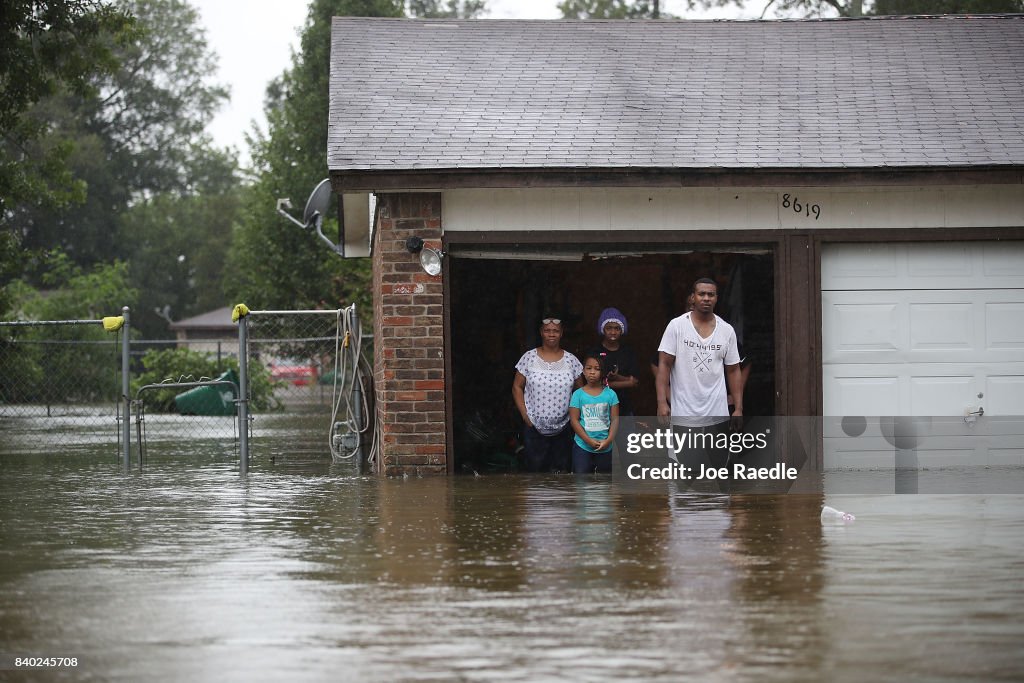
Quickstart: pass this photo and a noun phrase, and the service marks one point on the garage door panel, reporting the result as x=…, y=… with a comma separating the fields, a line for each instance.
x=940, y=442
x=912, y=326
x=847, y=453
x=940, y=395
x=860, y=395
x=932, y=389
x=858, y=266
x=1001, y=264
x=1006, y=457
x=929, y=330
x=866, y=326
x=1004, y=394
x=1004, y=325
x=956, y=265
x=941, y=327
x=927, y=262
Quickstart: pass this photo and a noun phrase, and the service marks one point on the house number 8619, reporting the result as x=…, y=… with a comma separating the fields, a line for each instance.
x=798, y=207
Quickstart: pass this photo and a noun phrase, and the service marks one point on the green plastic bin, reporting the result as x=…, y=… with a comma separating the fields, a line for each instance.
x=209, y=400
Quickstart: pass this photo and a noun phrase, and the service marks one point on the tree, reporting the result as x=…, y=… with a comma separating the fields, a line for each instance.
x=136, y=132
x=80, y=368
x=45, y=46
x=452, y=9
x=10, y=268
x=177, y=246
x=155, y=108
x=273, y=264
x=611, y=9
x=812, y=8
x=73, y=292
x=858, y=8
x=891, y=7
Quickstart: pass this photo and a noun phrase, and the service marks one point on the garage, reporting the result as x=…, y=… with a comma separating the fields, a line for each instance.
x=929, y=330
x=891, y=232
x=498, y=295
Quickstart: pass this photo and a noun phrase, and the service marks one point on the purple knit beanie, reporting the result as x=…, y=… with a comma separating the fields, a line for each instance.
x=610, y=315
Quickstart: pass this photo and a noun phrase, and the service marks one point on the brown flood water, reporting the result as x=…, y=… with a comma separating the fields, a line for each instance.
x=308, y=572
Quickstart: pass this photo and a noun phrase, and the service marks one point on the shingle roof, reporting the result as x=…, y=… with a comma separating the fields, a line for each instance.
x=217, y=319
x=834, y=94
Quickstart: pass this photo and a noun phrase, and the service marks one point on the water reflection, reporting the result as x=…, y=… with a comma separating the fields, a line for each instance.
x=310, y=571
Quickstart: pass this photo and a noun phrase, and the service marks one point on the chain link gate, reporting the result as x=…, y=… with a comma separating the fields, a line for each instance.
x=315, y=363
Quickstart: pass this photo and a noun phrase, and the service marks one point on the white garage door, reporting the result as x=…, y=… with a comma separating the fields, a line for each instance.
x=929, y=330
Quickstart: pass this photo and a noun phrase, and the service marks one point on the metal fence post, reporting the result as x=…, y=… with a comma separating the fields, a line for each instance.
x=126, y=426
x=243, y=395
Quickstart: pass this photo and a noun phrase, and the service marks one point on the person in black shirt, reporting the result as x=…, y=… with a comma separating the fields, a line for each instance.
x=617, y=358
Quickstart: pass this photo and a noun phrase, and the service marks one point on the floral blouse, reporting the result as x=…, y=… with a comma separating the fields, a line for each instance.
x=548, y=389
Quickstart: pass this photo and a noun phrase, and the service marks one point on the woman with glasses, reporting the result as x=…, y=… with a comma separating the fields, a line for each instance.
x=542, y=388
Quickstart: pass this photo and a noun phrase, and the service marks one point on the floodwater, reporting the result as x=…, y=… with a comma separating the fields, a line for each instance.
x=307, y=571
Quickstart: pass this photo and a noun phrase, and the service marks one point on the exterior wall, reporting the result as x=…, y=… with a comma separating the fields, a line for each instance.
x=409, y=305
x=741, y=208
x=213, y=342
x=408, y=338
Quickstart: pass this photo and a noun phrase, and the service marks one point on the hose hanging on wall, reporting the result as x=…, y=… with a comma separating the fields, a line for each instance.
x=359, y=429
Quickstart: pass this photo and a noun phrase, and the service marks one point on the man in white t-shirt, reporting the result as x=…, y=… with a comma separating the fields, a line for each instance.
x=694, y=350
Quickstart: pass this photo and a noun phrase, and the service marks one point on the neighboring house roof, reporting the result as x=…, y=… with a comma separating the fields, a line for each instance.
x=880, y=93
x=219, y=319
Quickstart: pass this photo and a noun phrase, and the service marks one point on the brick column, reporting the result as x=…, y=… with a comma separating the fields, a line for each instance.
x=408, y=337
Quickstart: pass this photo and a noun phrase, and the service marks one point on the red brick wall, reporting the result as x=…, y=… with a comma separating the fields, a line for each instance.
x=408, y=337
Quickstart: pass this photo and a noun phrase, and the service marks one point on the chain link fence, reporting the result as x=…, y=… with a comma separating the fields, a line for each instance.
x=308, y=359
x=60, y=386
x=185, y=391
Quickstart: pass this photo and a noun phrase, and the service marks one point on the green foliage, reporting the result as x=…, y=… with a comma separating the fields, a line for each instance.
x=137, y=131
x=46, y=43
x=75, y=293
x=611, y=9
x=810, y=9
x=10, y=268
x=272, y=263
x=73, y=363
x=452, y=9
x=185, y=365
x=893, y=7
x=177, y=247
x=48, y=46
x=52, y=365
x=156, y=106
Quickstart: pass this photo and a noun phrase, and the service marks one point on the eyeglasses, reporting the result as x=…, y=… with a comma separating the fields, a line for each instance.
x=548, y=321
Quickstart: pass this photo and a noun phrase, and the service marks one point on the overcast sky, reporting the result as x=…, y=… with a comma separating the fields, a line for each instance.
x=253, y=41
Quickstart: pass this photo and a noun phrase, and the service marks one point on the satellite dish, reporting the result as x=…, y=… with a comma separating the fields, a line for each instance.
x=318, y=201
x=313, y=216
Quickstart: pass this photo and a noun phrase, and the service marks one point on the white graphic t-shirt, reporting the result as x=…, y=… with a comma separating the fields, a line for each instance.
x=548, y=389
x=699, y=394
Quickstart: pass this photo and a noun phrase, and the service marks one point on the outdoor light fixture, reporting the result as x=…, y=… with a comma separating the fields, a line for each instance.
x=430, y=259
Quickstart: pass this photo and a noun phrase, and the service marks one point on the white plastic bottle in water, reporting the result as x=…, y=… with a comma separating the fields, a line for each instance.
x=830, y=514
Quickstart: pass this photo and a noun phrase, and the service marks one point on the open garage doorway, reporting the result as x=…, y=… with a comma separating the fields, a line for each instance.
x=498, y=295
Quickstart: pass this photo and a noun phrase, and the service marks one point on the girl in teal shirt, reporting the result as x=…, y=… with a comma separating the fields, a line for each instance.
x=594, y=416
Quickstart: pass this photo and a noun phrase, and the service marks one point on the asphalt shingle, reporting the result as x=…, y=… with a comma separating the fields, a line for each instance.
x=858, y=94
